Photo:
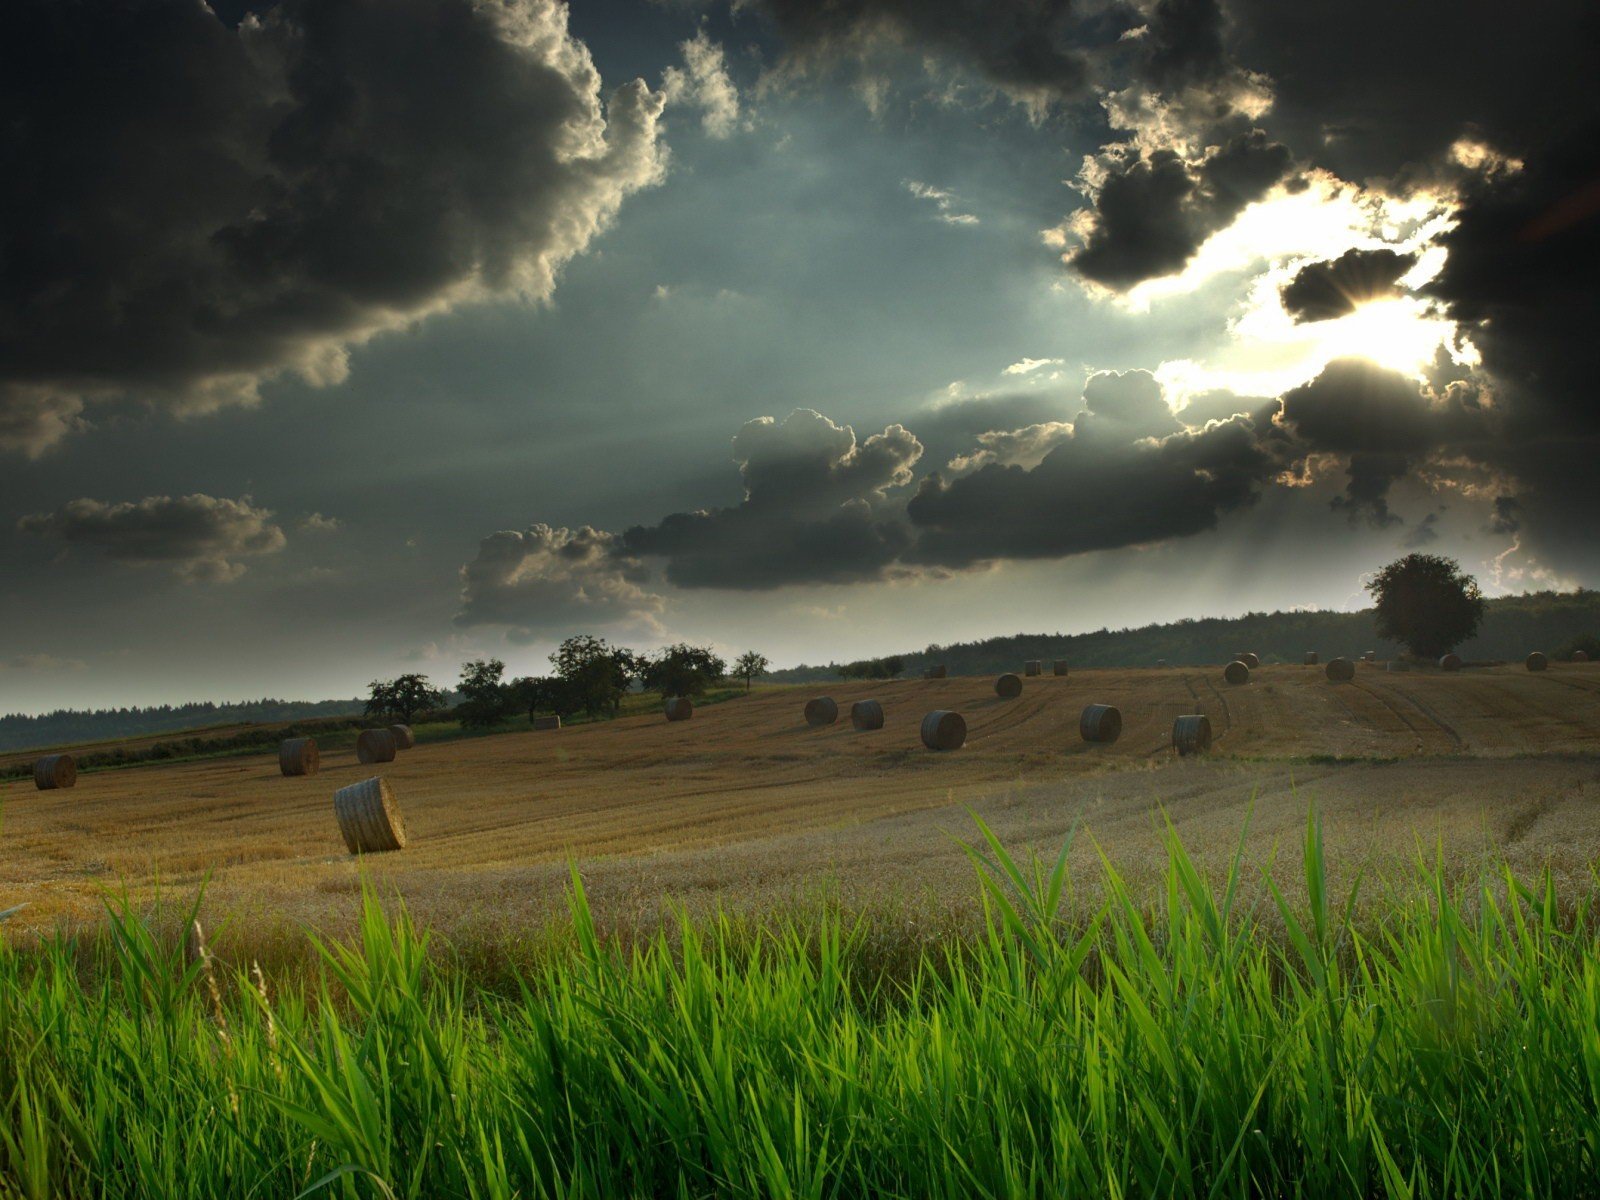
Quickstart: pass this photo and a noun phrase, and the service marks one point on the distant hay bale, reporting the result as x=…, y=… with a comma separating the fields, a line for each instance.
x=939, y=672
x=1059, y=667
x=1580, y=656
x=1033, y=667
x=1340, y=670
x=1161, y=664
x=1399, y=664
x=1249, y=659
x=299, y=756
x=1236, y=672
x=55, y=771
x=944, y=730
x=821, y=711
x=1008, y=687
x=552, y=722
x=1450, y=662
x=866, y=714
x=1192, y=734
x=679, y=708
x=1370, y=656
x=404, y=739
x=1311, y=658
x=369, y=818
x=375, y=746
x=1537, y=661
x=1100, y=723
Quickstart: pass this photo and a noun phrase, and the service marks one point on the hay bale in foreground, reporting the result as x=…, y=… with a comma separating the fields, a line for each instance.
x=1249, y=659
x=299, y=756
x=1033, y=666
x=866, y=714
x=369, y=818
x=1192, y=734
x=404, y=739
x=1580, y=656
x=550, y=722
x=679, y=708
x=944, y=730
x=1236, y=672
x=1008, y=687
x=1059, y=667
x=1450, y=662
x=1311, y=658
x=1536, y=661
x=1100, y=723
x=821, y=711
x=55, y=771
x=375, y=746
x=1340, y=670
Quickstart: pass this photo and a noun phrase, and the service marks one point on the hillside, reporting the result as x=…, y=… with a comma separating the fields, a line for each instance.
x=71, y=727
x=1512, y=626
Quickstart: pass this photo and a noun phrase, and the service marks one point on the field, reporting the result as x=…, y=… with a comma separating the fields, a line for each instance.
x=747, y=806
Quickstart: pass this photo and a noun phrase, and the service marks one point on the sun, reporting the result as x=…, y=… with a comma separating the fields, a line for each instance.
x=1397, y=332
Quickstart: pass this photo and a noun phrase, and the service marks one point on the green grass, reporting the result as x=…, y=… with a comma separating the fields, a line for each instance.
x=1184, y=1047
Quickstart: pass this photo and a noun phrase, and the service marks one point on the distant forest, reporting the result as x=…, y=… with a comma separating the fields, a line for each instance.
x=67, y=727
x=1512, y=626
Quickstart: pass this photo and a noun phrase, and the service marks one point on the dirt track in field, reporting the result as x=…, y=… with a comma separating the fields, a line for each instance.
x=746, y=803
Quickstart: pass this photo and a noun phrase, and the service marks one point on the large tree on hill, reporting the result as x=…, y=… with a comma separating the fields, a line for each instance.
x=683, y=670
x=593, y=674
x=403, y=698
x=750, y=665
x=485, y=698
x=1426, y=603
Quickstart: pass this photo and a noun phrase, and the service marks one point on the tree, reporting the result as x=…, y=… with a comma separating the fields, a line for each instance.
x=750, y=665
x=594, y=675
x=683, y=670
x=403, y=698
x=873, y=668
x=1424, y=602
x=485, y=699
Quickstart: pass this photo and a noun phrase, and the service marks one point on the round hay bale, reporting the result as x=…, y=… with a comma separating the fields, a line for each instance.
x=1450, y=662
x=679, y=708
x=369, y=818
x=1033, y=667
x=866, y=714
x=1311, y=658
x=1236, y=672
x=939, y=672
x=1340, y=670
x=1008, y=687
x=1580, y=656
x=1399, y=664
x=944, y=730
x=550, y=722
x=299, y=756
x=1192, y=734
x=1059, y=667
x=1370, y=656
x=1161, y=664
x=1100, y=723
x=375, y=746
x=404, y=739
x=55, y=771
x=1536, y=661
x=821, y=711
x=1250, y=660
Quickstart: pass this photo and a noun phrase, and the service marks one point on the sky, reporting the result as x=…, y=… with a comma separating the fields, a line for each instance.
x=341, y=338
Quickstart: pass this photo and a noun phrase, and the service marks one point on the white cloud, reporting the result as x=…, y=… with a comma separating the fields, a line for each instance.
x=703, y=82
x=943, y=201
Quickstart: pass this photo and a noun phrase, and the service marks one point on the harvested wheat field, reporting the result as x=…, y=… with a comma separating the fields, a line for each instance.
x=747, y=804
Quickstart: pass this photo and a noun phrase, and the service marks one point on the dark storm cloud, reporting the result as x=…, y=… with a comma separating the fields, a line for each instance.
x=1383, y=423
x=1322, y=291
x=199, y=537
x=188, y=209
x=543, y=580
x=1153, y=211
x=815, y=510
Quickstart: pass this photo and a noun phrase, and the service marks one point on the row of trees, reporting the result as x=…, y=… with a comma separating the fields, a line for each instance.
x=588, y=675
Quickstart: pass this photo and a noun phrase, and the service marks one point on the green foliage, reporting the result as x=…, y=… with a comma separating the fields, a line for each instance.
x=1426, y=603
x=591, y=676
x=749, y=666
x=874, y=668
x=1187, y=1046
x=1587, y=642
x=683, y=670
x=485, y=698
x=403, y=699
